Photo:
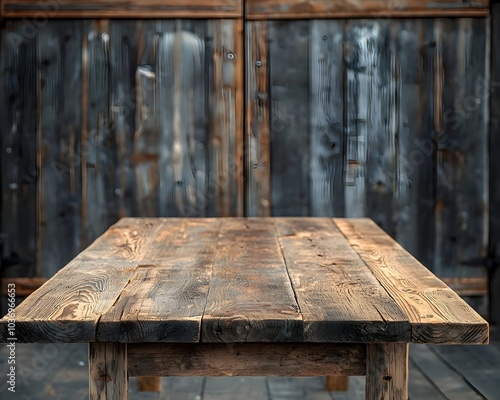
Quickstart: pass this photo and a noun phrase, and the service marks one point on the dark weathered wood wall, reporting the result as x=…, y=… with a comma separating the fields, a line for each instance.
x=381, y=118
x=120, y=118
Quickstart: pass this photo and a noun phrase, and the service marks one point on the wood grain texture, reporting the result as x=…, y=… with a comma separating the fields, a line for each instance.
x=247, y=359
x=165, y=298
x=250, y=297
x=123, y=9
x=69, y=306
x=299, y=9
x=339, y=299
x=410, y=149
x=145, y=156
x=387, y=371
x=58, y=74
x=461, y=210
x=436, y=313
x=371, y=73
x=108, y=372
x=289, y=117
x=337, y=383
x=257, y=149
x=97, y=165
x=224, y=196
x=326, y=118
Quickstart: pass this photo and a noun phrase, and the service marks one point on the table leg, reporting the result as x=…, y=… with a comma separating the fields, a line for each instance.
x=387, y=371
x=108, y=371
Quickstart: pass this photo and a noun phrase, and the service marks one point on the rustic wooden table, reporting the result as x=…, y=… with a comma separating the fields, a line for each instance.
x=235, y=296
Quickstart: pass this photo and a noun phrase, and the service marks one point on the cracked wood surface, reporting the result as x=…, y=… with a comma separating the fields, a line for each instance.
x=245, y=280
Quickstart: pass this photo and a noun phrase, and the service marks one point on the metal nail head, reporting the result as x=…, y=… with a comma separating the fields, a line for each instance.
x=258, y=63
x=230, y=56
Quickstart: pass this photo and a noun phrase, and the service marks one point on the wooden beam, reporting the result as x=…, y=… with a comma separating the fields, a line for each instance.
x=248, y=359
x=108, y=378
x=300, y=9
x=122, y=9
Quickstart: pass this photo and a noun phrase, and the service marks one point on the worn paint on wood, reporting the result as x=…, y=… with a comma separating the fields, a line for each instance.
x=298, y=9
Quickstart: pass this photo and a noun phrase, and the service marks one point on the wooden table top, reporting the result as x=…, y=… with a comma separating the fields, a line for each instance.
x=246, y=280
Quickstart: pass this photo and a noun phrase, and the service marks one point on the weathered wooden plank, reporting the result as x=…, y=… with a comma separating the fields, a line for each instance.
x=225, y=109
x=257, y=148
x=165, y=298
x=125, y=9
x=298, y=9
x=145, y=154
x=250, y=296
x=461, y=209
x=117, y=153
x=372, y=125
x=289, y=117
x=180, y=66
x=24, y=286
x=59, y=70
x=97, y=168
x=339, y=299
x=68, y=307
x=18, y=217
x=326, y=113
x=429, y=304
x=247, y=359
x=108, y=378
x=387, y=371
x=493, y=93
x=411, y=149
x=428, y=124
x=337, y=383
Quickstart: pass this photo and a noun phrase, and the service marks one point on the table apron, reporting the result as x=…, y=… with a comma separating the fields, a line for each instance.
x=246, y=359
